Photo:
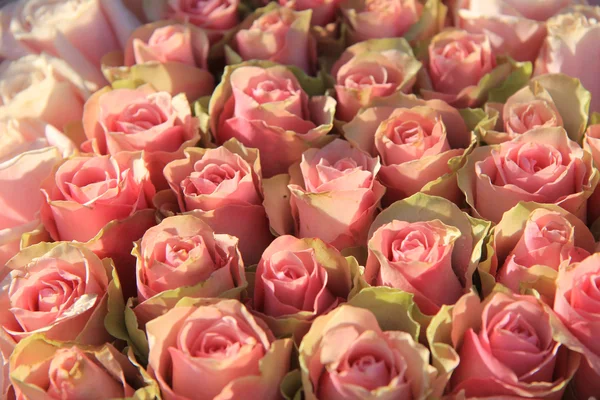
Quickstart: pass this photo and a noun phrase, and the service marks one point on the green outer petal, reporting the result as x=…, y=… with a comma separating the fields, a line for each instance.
x=430, y=23
x=200, y=110
x=291, y=385
x=518, y=78
x=114, y=322
x=595, y=118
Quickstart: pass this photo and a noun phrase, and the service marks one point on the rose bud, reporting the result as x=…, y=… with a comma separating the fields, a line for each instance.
x=41, y=368
x=223, y=188
x=419, y=142
x=264, y=106
x=171, y=57
x=299, y=279
x=42, y=87
x=426, y=246
x=506, y=346
x=347, y=355
x=370, y=70
x=542, y=165
x=571, y=38
x=68, y=30
x=323, y=11
x=218, y=346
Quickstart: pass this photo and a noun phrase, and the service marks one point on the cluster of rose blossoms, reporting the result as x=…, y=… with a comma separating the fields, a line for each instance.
x=309, y=199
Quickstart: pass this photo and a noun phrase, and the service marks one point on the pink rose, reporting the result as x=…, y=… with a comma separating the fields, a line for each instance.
x=417, y=140
x=591, y=142
x=277, y=34
x=542, y=165
x=346, y=355
x=267, y=108
x=297, y=280
x=42, y=87
x=370, y=70
x=323, y=11
x=577, y=303
x=140, y=119
x=183, y=251
x=223, y=188
x=373, y=19
x=67, y=29
x=515, y=27
x=571, y=37
x=60, y=290
x=40, y=367
x=216, y=345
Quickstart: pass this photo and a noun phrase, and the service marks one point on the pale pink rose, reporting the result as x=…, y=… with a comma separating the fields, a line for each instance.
x=370, y=70
x=515, y=27
x=542, y=165
x=592, y=142
x=218, y=346
x=280, y=35
x=267, y=108
x=67, y=29
x=372, y=19
x=346, y=355
x=338, y=196
x=323, y=11
x=140, y=119
x=522, y=117
x=57, y=289
x=44, y=88
x=222, y=187
x=170, y=43
x=183, y=251
x=20, y=196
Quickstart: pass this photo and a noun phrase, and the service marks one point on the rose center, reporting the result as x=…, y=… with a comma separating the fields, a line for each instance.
x=269, y=91
x=205, y=7
x=517, y=327
x=410, y=247
x=52, y=296
x=458, y=50
x=555, y=232
x=207, y=180
x=178, y=251
x=408, y=132
x=345, y=164
x=138, y=118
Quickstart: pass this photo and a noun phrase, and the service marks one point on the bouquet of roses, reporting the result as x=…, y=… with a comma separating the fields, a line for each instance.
x=302, y=199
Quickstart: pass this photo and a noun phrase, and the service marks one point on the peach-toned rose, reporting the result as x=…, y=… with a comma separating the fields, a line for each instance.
x=44, y=88
x=67, y=29
x=222, y=187
x=168, y=43
x=542, y=165
x=370, y=70
x=592, y=142
x=323, y=11
x=218, y=346
x=346, y=355
x=140, y=119
x=268, y=109
x=416, y=141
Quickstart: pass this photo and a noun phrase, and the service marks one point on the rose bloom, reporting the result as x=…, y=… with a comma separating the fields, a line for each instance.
x=219, y=347
x=506, y=348
x=278, y=34
x=515, y=27
x=416, y=141
x=577, y=304
x=140, y=119
x=323, y=11
x=223, y=187
x=346, y=355
x=42, y=87
x=372, y=19
x=370, y=70
x=67, y=29
x=542, y=165
x=58, y=289
x=267, y=108
x=571, y=38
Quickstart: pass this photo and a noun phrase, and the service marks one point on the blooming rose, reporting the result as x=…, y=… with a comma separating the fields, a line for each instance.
x=372, y=69
x=299, y=279
x=58, y=289
x=417, y=141
x=577, y=304
x=67, y=29
x=426, y=246
x=571, y=37
x=278, y=34
x=140, y=119
x=515, y=27
x=183, y=251
x=43, y=368
x=218, y=346
x=346, y=355
x=506, y=347
x=323, y=11
x=268, y=109
x=542, y=165
x=20, y=196
x=44, y=88
x=222, y=187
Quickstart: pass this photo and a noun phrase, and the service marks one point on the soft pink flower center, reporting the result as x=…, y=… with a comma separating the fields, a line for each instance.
x=556, y=232
x=270, y=91
x=177, y=252
x=209, y=178
x=366, y=75
x=458, y=50
x=203, y=7
x=271, y=22
x=138, y=118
